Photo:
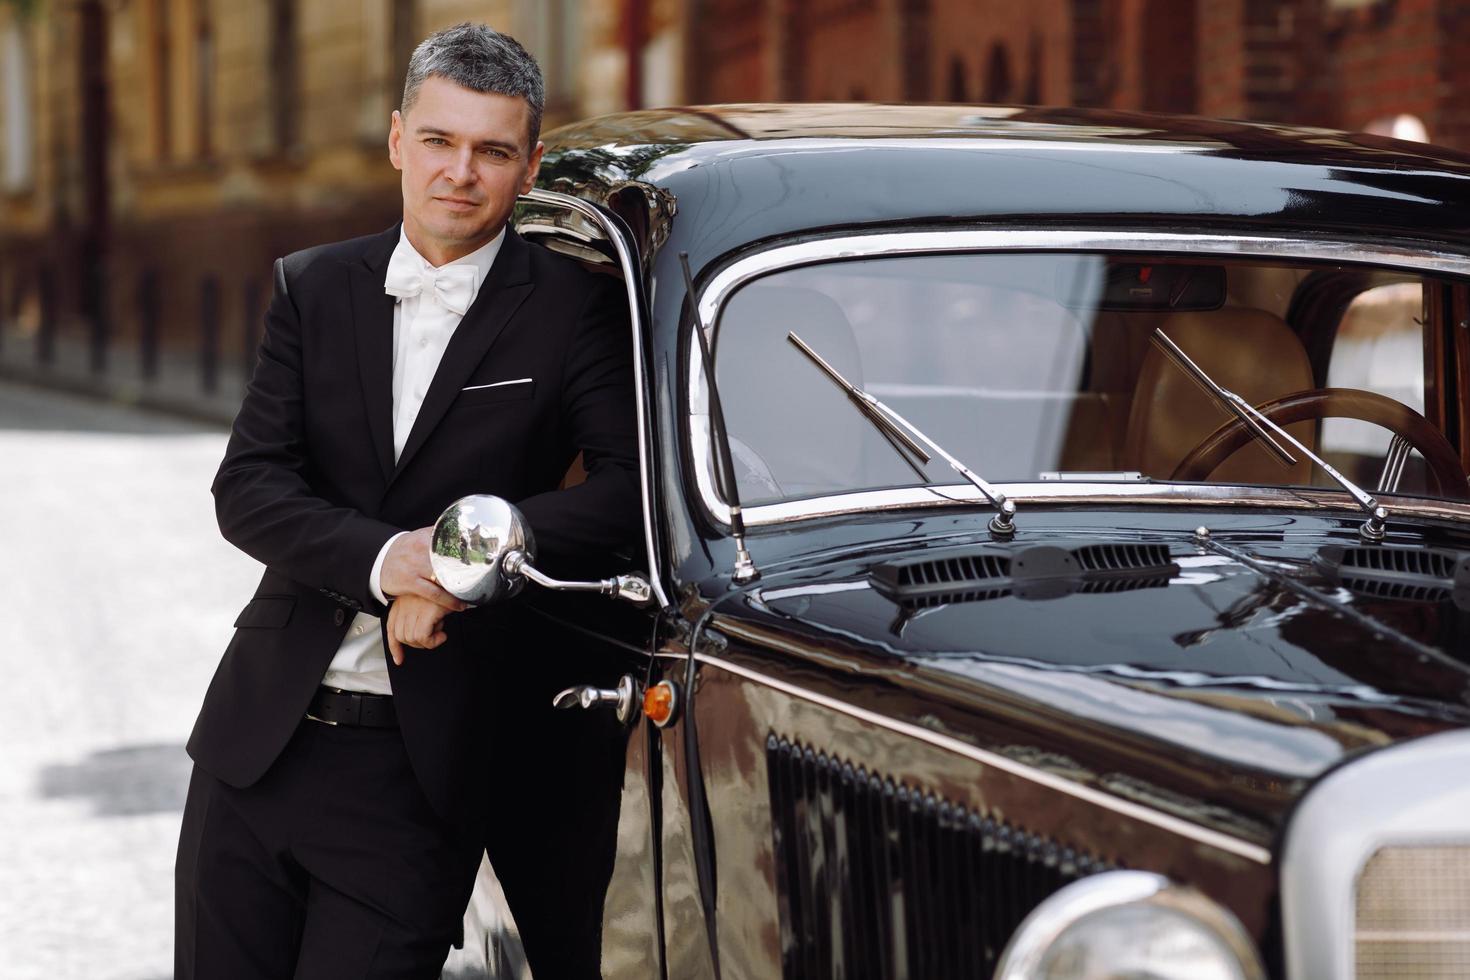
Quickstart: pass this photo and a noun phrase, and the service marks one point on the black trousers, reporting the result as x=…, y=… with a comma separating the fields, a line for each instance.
x=554, y=842
x=332, y=866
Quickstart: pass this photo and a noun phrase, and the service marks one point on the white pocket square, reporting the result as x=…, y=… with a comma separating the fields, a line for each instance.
x=498, y=384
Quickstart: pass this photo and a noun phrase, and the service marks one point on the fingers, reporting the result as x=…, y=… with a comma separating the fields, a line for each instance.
x=414, y=622
x=433, y=592
x=395, y=625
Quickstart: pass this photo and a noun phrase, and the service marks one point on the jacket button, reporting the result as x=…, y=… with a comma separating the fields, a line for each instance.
x=339, y=617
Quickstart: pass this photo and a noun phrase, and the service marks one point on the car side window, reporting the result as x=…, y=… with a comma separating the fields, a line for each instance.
x=1378, y=347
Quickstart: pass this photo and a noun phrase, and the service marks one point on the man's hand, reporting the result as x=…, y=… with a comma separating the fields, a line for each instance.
x=415, y=622
x=406, y=571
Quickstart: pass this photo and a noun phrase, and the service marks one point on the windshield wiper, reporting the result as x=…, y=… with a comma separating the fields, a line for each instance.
x=905, y=437
x=1373, y=529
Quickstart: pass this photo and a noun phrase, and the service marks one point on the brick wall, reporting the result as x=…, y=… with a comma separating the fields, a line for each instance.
x=1015, y=53
x=1220, y=78
x=1386, y=60
x=842, y=52
x=1450, y=123
x=732, y=64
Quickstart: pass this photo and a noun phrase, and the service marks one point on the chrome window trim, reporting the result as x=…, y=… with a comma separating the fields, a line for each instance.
x=1407, y=794
x=783, y=258
x=1165, y=822
x=635, y=319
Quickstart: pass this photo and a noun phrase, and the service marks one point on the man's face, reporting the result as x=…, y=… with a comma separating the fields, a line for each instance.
x=464, y=160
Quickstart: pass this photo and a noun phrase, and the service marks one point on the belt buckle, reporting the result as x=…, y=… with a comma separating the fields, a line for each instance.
x=356, y=712
x=352, y=710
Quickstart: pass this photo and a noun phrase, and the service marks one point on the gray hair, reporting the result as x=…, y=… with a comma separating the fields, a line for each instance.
x=481, y=60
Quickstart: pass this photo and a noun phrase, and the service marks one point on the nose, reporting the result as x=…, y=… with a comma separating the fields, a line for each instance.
x=459, y=170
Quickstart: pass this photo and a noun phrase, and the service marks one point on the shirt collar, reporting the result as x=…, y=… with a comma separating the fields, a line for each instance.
x=481, y=258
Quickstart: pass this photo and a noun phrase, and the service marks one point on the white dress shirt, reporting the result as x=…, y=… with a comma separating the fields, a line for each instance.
x=421, y=330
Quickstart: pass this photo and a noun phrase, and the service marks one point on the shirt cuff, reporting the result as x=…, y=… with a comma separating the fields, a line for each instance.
x=375, y=580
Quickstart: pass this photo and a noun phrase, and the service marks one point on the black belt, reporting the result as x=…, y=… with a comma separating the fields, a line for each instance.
x=352, y=708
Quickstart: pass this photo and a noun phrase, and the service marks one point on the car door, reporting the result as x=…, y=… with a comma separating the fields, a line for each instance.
x=577, y=640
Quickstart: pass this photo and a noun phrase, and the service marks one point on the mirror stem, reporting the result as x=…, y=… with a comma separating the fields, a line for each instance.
x=629, y=587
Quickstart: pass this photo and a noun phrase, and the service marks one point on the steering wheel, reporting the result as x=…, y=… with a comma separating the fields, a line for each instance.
x=1345, y=403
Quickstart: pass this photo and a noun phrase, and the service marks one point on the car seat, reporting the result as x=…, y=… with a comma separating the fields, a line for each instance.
x=1248, y=351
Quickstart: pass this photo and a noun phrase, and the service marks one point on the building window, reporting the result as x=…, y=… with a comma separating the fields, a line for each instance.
x=15, y=102
x=204, y=56
x=160, y=77
x=550, y=30
x=283, y=74
x=998, y=75
x=959, y=82
x=402, y=39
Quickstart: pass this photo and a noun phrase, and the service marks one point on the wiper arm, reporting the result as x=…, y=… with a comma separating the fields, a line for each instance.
x=1231, y=402
x=1263, y=428
x=909, y=450
x=905, y=438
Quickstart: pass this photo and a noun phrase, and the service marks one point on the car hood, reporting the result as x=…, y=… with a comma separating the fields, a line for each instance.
x=1218, y=690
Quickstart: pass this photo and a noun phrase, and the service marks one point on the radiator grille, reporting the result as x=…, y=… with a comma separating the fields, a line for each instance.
x=878, y=879
x=1413, y=914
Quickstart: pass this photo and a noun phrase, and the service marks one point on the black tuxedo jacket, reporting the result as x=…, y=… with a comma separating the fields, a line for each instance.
x=309, y=487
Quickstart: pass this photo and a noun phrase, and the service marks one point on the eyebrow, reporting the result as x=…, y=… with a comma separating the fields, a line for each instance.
x=435, y=131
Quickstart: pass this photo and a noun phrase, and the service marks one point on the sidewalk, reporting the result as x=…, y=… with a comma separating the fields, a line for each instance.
x=177, y=388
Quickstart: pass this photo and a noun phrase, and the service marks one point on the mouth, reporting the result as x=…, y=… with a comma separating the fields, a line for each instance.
x=457, y=203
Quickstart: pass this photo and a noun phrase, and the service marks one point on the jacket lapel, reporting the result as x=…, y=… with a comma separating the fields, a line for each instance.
x=501, y=294
x=372, y=320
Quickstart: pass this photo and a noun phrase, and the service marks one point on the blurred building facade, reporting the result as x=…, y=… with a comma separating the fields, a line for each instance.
x=156, y=155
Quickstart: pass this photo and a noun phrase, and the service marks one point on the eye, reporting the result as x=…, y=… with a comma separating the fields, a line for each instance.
x=436, y=141
x=497, y=153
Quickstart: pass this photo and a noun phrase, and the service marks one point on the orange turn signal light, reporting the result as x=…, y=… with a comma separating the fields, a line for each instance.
x=660, y=702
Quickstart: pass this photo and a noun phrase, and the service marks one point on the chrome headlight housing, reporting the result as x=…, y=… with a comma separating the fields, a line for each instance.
x=1131, y=924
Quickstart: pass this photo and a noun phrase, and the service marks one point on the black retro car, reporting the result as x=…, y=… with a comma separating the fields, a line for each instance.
x=1102, y=602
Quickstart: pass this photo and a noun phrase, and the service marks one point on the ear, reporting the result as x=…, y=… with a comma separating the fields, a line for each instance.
x=533, y=168
x=395, y=137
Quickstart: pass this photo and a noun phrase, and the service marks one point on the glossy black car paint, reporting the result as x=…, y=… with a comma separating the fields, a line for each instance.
x=1249, y=689
x=1216, y=698
x=745, y=175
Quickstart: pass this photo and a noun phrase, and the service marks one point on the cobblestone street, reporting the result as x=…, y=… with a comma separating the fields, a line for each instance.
x=119, y=595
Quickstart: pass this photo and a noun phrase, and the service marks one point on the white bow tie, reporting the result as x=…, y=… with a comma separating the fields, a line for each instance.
x=452, y=286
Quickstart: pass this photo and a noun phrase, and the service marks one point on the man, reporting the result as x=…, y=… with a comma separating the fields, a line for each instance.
x=332, y=827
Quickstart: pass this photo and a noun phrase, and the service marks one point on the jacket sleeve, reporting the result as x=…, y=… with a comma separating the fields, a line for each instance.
x=263, y=500
x=599, y=411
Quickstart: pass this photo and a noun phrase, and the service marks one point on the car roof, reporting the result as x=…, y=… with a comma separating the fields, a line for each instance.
x=738, y=174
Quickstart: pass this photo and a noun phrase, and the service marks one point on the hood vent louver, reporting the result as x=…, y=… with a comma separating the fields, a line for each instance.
x=1415, y=574
x=1038, y=572
x=1122, y=557
x=959, y=572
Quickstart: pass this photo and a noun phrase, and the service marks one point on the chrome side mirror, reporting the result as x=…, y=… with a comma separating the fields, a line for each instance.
x=483, y=551
x=472, y=540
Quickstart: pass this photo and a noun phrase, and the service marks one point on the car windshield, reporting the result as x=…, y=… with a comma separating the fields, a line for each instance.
x=1048, y=366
